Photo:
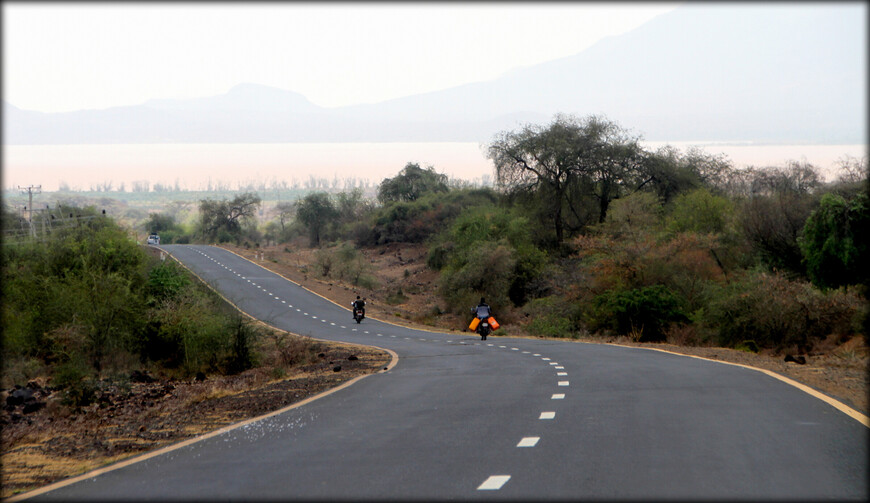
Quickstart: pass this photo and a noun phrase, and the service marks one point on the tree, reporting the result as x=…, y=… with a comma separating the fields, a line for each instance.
x=777, y=203
x=700, y=211
x=158, y=222
x=565, y=161
x=316, y=211
x=412, y=182
x=222, y=219
x=286, y=210
x=835, y=244
x=671, y=172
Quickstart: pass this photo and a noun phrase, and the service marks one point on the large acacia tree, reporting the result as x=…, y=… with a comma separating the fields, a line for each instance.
x=566, y=164
x=225, y=218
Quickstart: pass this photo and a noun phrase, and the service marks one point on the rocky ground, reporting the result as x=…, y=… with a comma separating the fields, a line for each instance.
x=44, y=441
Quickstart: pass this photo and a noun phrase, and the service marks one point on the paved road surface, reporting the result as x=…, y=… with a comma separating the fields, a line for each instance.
x=458, y=418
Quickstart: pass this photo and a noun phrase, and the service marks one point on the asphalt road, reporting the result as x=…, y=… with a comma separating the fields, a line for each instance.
x=458, y=418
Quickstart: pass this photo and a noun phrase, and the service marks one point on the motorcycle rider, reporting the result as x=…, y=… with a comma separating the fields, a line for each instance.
x=482, y=311
x=359, y=305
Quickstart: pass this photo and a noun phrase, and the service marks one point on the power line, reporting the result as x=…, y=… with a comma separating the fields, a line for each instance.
x=30, y=190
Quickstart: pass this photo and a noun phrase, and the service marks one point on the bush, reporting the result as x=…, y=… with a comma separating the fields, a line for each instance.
x=345, y=263
x=778, y=313
x=551, y=316
x=519, y=269
x=835, y=242
x=645, y=312
x=487, y=272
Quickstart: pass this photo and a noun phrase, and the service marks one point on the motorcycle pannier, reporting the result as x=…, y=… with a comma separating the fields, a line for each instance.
x=474, y=324
x=494, y=324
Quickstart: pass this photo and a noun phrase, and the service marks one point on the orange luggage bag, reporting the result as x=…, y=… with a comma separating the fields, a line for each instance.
x=474, y=324
x=492, y=323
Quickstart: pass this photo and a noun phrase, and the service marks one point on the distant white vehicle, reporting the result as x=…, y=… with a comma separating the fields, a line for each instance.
x=153, y=239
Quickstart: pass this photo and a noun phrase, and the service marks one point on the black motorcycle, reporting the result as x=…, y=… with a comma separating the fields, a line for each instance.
x=483, y=328
x=358, y=315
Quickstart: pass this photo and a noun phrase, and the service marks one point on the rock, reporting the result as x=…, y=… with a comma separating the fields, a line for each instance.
x=337, y=368
x=19, y=396
x=321, y=355
x=140, y=376
x=199, y=377
x=796, y=359
x=352, y=358
x=33, y=407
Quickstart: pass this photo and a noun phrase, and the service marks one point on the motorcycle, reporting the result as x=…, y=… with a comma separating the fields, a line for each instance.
x=483, y=328
x=358, y=315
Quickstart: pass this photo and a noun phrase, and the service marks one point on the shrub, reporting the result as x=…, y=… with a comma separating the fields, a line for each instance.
x=646, y=311
x=835, y=242
x=345, y=263
x=487, y=272
x=778, y=313
x=551, y=316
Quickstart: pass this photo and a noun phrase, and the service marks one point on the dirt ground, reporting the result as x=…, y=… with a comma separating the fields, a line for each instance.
x=839, y=370
x=52, y=443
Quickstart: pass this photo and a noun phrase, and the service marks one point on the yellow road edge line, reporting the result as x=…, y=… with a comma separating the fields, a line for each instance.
x=854, y=414
x=394, y=360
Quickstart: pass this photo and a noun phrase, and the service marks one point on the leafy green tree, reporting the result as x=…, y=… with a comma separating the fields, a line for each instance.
x=158, y=222
x=411, y=183
x=417, y=221
x=317, y=212
x=482, y=236
x=700, y=211
x=835, y=242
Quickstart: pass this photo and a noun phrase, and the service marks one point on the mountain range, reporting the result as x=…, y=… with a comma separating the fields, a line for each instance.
x=731, y=72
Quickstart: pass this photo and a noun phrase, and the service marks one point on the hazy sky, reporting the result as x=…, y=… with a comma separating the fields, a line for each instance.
x=71, y=56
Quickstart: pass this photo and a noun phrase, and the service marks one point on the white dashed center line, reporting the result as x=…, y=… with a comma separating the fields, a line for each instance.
x=561, y=373
x=563, y=383
x=547, y=415
x=558, y=396
x=528, y=442
x=494, y=483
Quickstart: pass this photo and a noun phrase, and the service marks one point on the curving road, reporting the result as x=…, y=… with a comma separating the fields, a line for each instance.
x=458, y=418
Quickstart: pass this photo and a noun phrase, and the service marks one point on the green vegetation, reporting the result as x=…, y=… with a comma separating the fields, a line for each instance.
x=87, y=302
x=586, y=232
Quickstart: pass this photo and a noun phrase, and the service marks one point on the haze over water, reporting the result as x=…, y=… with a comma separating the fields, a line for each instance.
x=192, y=166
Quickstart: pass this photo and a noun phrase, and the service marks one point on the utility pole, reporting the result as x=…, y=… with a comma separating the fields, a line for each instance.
x=30, y=191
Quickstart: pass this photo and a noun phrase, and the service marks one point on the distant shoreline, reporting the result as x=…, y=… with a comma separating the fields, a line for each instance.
x=192, y=166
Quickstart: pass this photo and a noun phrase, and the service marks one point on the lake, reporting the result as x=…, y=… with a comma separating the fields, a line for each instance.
x=193, y=166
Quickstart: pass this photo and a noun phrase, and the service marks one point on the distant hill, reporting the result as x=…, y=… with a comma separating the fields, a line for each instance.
x=779, y=73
